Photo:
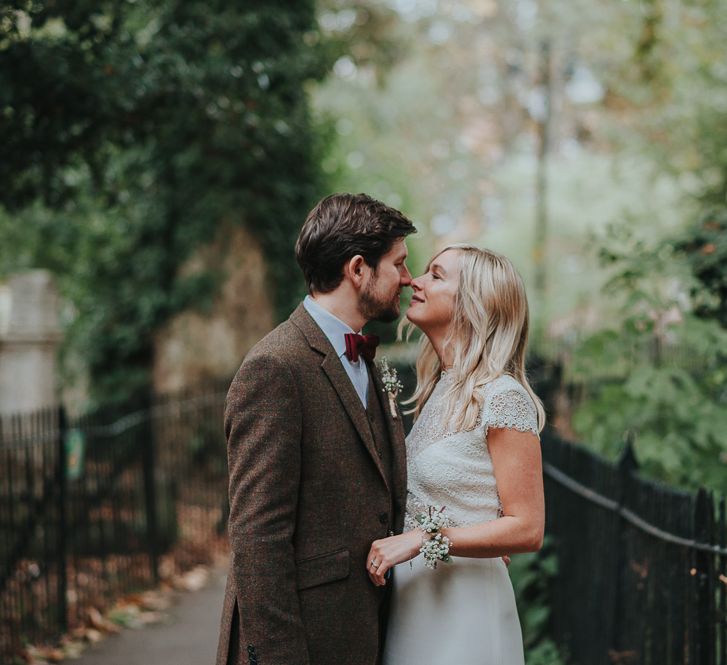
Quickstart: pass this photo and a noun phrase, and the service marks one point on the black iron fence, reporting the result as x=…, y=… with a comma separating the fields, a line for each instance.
x=642, y=567
x=102, y=506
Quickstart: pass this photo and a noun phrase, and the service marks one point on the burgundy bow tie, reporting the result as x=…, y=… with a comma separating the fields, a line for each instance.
x=360, y=345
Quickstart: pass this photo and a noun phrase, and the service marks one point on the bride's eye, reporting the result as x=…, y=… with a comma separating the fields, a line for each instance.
x=435, y=276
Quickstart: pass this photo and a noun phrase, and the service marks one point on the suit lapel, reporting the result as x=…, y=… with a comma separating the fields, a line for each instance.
x=336, y=374
x=395, y=428
x=333, y=367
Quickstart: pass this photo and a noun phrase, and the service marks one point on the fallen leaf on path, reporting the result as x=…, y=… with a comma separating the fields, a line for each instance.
x=100, y=622
x=193, y=580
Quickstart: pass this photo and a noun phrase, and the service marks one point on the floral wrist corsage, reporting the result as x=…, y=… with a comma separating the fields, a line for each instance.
x=435, y=545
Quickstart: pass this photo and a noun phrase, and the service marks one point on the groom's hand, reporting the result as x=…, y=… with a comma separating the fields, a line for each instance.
x=387, y=552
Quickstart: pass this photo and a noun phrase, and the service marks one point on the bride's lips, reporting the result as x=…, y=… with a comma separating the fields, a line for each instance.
x=415, y=299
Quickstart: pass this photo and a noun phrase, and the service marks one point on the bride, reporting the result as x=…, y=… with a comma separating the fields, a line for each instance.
x=473, y=463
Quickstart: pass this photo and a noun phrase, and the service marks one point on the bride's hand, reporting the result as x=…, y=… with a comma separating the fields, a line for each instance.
x=387, y=552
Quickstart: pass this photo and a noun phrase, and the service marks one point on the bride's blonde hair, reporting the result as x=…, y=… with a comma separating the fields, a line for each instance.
x=488, y=337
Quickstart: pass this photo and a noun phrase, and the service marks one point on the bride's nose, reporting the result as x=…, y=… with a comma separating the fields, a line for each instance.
x=415, y=284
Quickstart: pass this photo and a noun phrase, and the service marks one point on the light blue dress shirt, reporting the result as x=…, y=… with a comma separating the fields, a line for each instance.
x=335, y=329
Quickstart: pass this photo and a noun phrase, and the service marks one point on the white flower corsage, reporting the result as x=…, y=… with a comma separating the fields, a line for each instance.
x=435, y=545
x=392, y=384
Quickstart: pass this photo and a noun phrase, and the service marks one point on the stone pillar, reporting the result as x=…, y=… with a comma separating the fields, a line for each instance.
x=29, y=337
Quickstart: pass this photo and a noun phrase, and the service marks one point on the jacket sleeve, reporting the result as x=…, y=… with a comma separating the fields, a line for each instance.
x=263, y=425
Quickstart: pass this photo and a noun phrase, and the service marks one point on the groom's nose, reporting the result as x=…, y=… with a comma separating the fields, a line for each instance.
x=405, y=279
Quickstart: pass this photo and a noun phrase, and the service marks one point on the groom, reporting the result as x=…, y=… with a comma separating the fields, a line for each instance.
x=316, y=457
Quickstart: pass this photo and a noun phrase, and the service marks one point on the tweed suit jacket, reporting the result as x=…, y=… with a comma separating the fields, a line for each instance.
x=308, y=496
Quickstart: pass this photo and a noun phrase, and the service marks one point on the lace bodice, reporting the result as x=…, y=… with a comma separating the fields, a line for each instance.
x=454, y=469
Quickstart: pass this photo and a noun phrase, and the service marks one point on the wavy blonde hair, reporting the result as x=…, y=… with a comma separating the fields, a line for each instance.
x=488, y=336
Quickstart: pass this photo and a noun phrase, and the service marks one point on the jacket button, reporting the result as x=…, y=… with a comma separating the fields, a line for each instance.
x=384, y=518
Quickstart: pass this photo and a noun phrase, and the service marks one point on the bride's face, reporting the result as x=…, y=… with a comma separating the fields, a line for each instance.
x=432, y=305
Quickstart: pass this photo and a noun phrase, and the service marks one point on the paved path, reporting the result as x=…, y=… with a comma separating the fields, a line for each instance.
x=189, y=637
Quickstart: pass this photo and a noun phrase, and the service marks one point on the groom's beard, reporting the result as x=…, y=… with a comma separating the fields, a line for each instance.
x=375, y=308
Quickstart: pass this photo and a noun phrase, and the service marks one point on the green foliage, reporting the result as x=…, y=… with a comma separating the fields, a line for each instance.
x=705, y=247
x=659, y=371
x=131, y=132
x=660, y=375
x=545, y=653
x=531, y=574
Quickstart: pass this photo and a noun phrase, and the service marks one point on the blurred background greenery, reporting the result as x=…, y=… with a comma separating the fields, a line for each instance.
x=585, y=140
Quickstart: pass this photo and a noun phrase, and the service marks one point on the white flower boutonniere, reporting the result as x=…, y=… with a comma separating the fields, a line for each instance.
x=392, y=385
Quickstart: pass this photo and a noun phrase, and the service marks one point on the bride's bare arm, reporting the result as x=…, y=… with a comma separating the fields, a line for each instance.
x=519, y=474
x=518, y=470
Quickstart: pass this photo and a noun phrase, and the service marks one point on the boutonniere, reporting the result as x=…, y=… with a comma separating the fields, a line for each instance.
x=392, y=385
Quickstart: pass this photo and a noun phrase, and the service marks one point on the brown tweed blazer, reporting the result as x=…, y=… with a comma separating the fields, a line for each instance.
x=308, y=496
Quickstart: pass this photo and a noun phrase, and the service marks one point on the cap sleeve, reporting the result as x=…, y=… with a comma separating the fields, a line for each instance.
x=511, y=408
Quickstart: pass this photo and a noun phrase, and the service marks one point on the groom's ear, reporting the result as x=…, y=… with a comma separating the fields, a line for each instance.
x=355, y=269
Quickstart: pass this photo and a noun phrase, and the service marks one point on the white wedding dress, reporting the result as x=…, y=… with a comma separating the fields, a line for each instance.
x=462, y=613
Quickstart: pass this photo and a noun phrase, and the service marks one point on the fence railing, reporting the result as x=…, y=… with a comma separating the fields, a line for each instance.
x=99, y=507
x=642, y=566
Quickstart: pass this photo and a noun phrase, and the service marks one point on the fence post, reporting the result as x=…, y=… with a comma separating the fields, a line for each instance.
x=704, y=628
x=62, y=484
x=150, y=501
x=626, y=466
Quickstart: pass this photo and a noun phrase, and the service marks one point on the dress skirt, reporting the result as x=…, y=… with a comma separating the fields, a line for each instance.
x=462, y=613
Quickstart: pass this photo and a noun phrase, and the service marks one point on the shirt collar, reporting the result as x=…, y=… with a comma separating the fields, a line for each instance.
x=331, y=325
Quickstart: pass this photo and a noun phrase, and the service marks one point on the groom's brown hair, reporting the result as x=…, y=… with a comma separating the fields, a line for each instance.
x=341, y=226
